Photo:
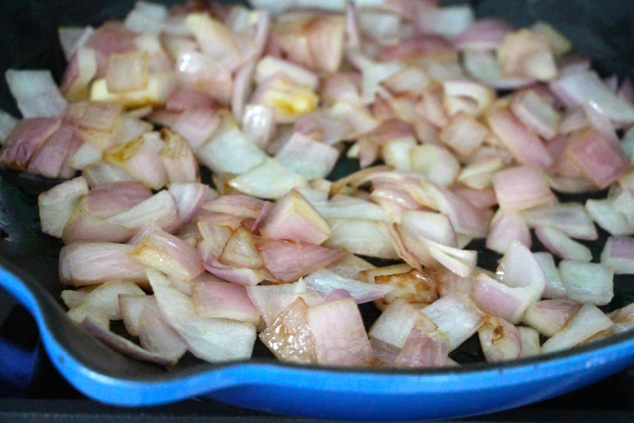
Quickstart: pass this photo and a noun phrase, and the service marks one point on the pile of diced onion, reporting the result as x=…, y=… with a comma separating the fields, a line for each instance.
x=463, y=129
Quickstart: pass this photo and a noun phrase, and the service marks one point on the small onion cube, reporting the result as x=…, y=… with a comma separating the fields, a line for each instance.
x=500, y=340
x=340, y=337
x=587, y=322
x=550, y=316
x=587, y=282
x=618, y=254
x=224, y=300
x=521, y=187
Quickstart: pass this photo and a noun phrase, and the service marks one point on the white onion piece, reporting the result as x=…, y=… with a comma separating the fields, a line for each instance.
x=229, y=151
x=466, y=219
x=604, y=214
x=56, y=205
x=618, y=254
x=83, y=226
x=236, y=205
x=382, y=26
x=289, y=336
x=550, y=316
x=570, y=218
x=325, y=281
x=147, y=17
x=435, y=162
x=576, y=87
x=600, y=122
x=520, y=282
x=526, y=55
x=536, y=112
x=521, y=187
x=396, y=153
x=373, y=74
x=340, y=337
x=558, y=43
x=209, y=339
x=97, y=315
x=197, y=123
x=106, y=296
x=74, y=297
x=498, y=299
x=467, y=97
x=288, y=261
x=178, y=159
x=293, y=218
x=189, y=198
x=529, y=342
x=413, y=285
x=89, y=156
x=127, y=72
x=448, y=21
x=92, y=263
x=160, y=209
x=507, y=227
x=554, y=285
x=623, y=319
x=258, y=124
x=198, y=71
x=168, y=254
x=268, y=180
x=131, y=307
x=587, y=282
x=360, y=236
x=140, y=158
x=240, y=251
x=588, y=321
x=224, y=300
x=485, y=68
x=268, y=66
x=561, y=245
x=156, y=336
x=36, y=93
x=457, y=316
x=115, y=198
x=288, y=99
x=271, y=300
x=342, y=206
x=306, y=157
x=246, y=277
x=315, y=41
x=158, y=89
x=478, y=174
x=500, y=340
x=396, y=322
x=218, y=42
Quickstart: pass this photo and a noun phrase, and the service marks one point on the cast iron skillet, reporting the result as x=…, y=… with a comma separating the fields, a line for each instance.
x=28, y=271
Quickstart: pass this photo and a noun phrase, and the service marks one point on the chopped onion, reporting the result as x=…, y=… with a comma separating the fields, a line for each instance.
x=588, y=321
x=36, y=93
x=210, y=339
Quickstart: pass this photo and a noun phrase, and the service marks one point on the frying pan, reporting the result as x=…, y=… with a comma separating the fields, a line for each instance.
x=28, y=271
